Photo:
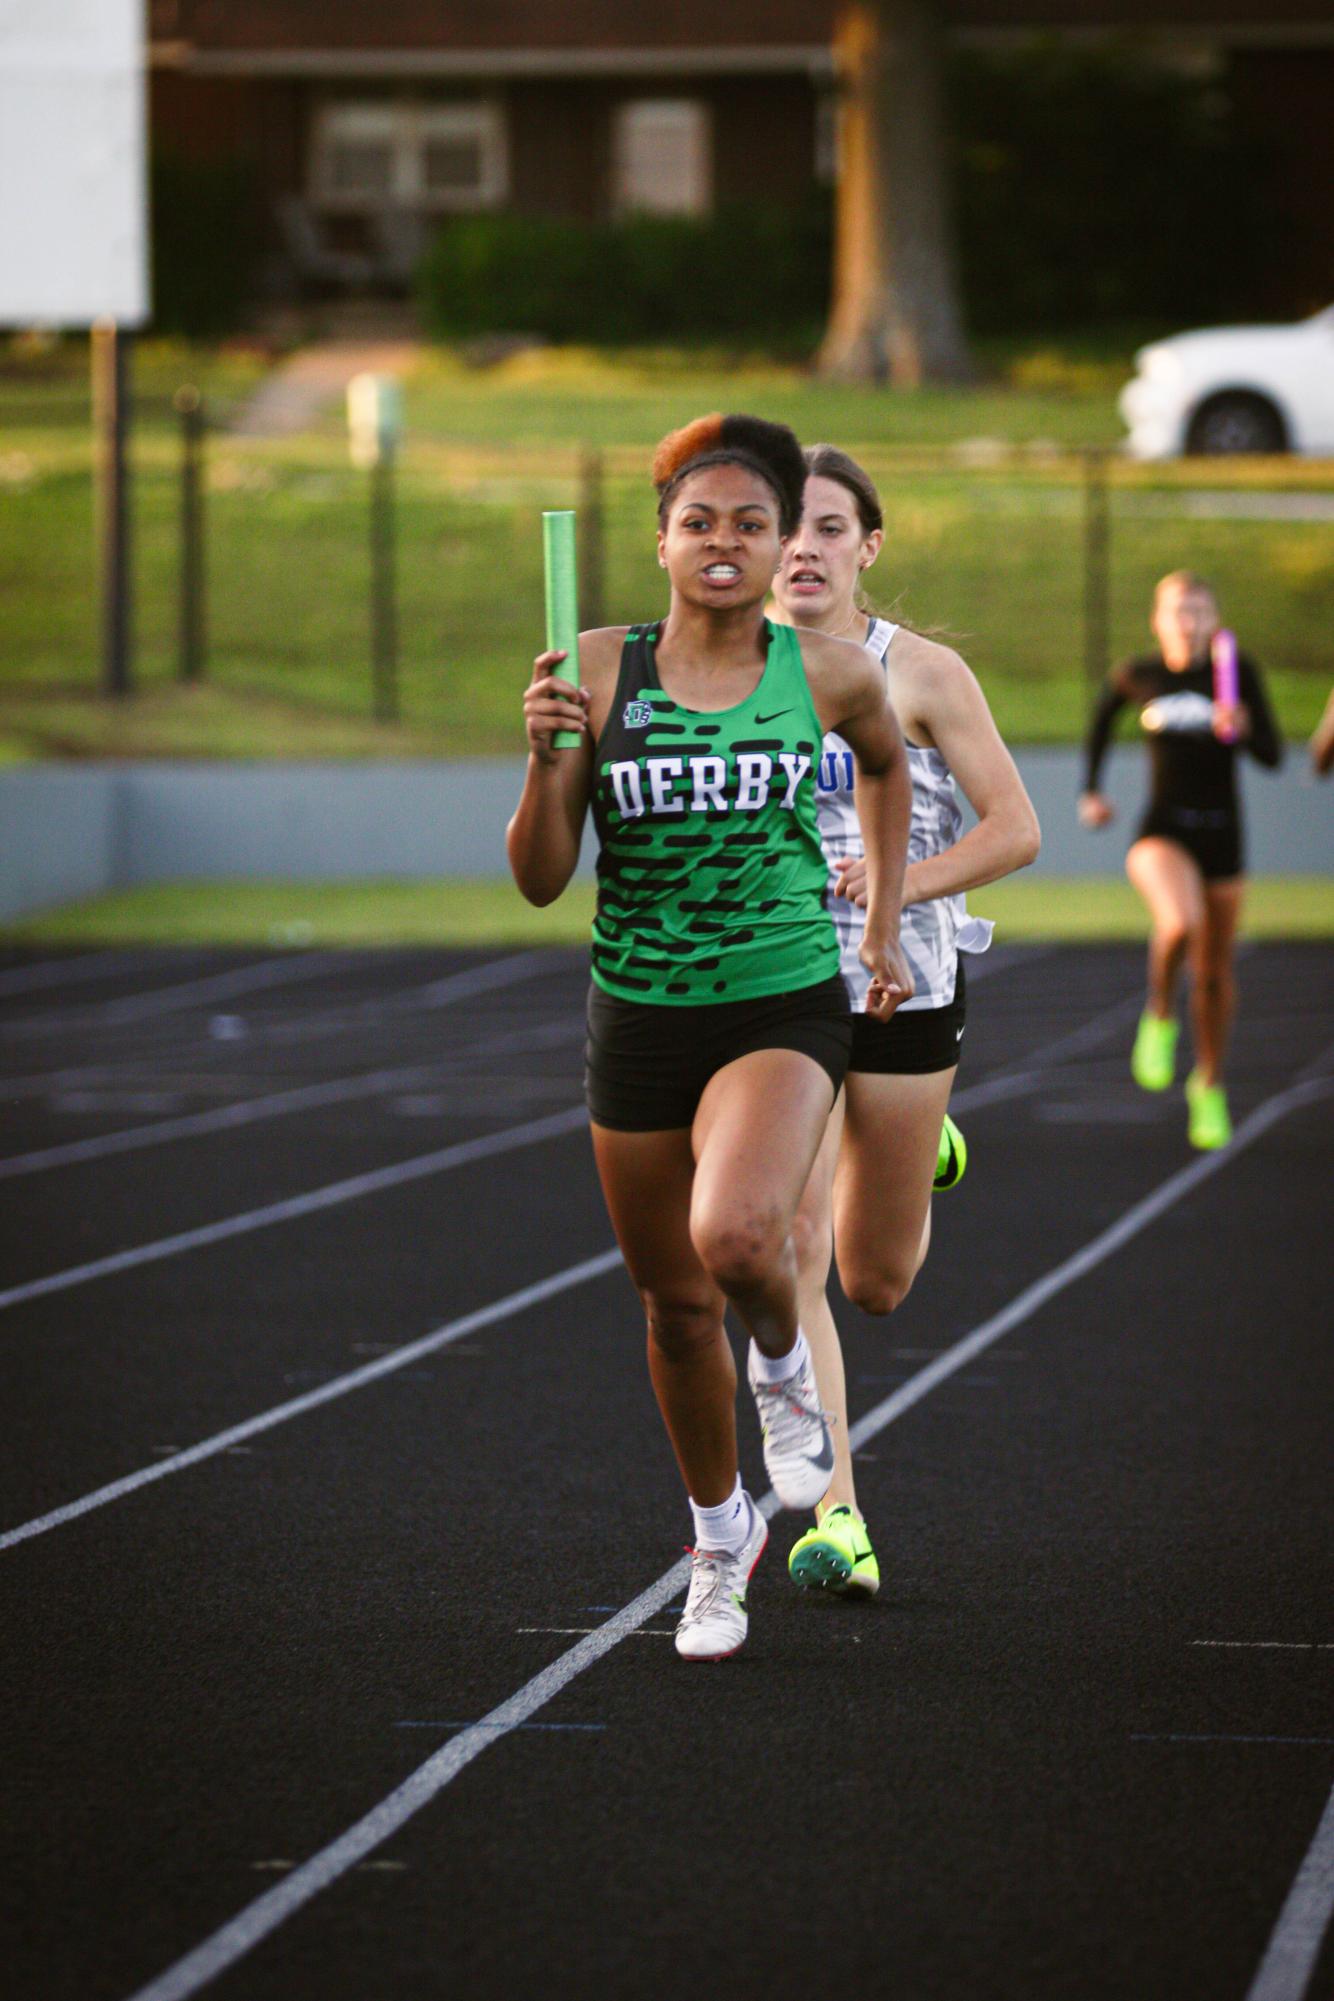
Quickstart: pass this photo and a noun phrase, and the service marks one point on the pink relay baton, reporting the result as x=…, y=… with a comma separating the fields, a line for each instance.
x=1227, y=683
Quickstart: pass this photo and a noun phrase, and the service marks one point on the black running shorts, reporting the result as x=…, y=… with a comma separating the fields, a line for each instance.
x=923, y=1039
x=1211, y=836
x=647, y=1065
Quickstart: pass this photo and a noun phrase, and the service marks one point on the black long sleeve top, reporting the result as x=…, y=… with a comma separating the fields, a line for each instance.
x=1189, y=765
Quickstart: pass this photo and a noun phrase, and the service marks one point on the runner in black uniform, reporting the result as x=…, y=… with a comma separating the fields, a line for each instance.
x=719, y=1025
x=1187, y=858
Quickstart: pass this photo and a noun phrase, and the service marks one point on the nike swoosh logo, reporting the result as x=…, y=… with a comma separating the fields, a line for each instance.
x=760, y=721
x=823, y=1462
x=958, y=1035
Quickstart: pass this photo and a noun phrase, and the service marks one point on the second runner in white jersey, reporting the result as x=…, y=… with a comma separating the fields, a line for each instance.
x=890, y=1143
x=932, y=934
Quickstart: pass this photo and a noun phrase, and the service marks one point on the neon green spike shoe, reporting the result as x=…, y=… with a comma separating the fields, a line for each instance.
x=951, y=1156
x=1210, y=1123
x=1153, y=1059
x=836, y=1555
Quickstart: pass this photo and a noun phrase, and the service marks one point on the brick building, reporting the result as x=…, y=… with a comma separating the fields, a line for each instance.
x=367, y=121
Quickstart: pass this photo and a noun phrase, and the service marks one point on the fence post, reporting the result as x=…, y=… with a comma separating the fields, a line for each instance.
x=1097, y=566
x=384, y=620
x=592, y=537
x=111, y=420
x=374, y=421
x=190, y=408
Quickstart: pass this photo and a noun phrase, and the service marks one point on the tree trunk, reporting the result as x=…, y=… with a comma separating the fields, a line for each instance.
x=895, y=315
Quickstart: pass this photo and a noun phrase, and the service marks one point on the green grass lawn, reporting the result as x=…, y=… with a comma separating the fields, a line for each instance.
x=984, y=502
x=580, y=395
x=493, y=913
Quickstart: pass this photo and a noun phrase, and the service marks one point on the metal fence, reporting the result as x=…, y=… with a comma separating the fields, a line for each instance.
x=277, y=570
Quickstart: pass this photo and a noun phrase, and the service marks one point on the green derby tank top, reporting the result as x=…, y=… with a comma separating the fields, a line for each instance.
x=711, y=878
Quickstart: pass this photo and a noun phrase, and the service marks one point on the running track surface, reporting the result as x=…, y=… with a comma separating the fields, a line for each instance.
x=1081, y=1746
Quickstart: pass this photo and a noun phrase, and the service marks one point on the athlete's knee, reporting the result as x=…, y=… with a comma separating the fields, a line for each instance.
x=1177, y=933
x=738, y=1247
x=681, y=1324
x=881, y=1286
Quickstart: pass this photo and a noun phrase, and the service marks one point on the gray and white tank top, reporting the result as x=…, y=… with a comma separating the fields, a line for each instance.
x=934, y=933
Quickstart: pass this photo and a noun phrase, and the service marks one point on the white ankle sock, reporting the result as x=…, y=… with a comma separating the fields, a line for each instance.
x=727, y=1525
x=779, y=1368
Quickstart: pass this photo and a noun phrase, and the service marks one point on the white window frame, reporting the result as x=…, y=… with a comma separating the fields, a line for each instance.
x=409, y=126
x=684, y=112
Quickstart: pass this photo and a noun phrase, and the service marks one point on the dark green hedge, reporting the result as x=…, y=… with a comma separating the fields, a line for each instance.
x=747, y=273
x=1094, y=185
x=205, y=245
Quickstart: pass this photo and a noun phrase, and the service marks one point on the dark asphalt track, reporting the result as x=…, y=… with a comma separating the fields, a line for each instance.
x=1078, y=1748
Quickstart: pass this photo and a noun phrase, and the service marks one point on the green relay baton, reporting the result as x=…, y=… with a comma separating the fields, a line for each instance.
x=562, y=585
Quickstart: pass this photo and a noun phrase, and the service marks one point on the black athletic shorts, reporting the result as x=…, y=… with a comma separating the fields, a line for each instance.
x=925, y=1038
x=1211, y=836
x=647, y=1065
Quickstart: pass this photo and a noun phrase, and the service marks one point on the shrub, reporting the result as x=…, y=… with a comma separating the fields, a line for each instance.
x=754, y=273
x=1096, y=185
x=205, y=244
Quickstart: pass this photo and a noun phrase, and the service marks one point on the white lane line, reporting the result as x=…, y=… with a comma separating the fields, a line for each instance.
x=1277, y=1646
x=1218, y=1737
x=181, y=1461
x=430, y=1723
x=232, y=1941
x=341, y=1386
x=348, y=1090
x=476, y=980
x=277, y=1104
x=223, y=1118
x=412, y=1000
x=522, y=966
x=1294, y=1945
x=1024, y=1073
x=267, y=1912
x=435, y=995
x=309, y=1204
x=1094, y=1253
x=247, y=1111
x=77, y=970
x=644, y=1632
x=292, y=968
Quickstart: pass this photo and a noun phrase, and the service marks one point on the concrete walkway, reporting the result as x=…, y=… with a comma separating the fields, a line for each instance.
x=299, y=390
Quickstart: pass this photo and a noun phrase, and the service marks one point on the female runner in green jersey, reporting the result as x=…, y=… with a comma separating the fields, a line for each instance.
x=719, y=1026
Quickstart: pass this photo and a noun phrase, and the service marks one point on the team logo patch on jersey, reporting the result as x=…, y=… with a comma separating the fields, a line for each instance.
x=637, y=715
x=1186, y=714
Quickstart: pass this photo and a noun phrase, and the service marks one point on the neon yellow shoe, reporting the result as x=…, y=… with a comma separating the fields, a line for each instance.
x=951, y=1156
x=1153, y=1059
x=1210, y=1123
x=836, y=1555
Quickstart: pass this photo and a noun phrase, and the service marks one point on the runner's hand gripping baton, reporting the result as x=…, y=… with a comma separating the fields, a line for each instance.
x=1227, y=681
x=562, y=588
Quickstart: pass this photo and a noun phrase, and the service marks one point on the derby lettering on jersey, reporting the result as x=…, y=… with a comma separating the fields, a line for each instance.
x=626, y=784
x=661, y=772
x=796, y=765
x=754, y=770
x=709, y=776
x=658, y=785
